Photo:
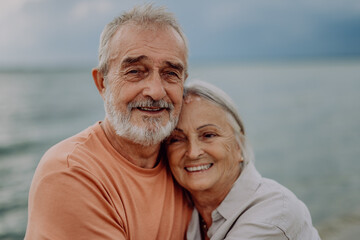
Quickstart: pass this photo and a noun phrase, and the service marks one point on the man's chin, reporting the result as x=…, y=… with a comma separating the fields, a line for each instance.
x=152, y=125
x=145, y=135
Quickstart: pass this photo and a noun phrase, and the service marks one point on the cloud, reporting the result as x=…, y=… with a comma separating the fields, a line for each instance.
x=273, y=28
x=15, y=24
x=85, y=9
x=51, y=31
x=10, y=7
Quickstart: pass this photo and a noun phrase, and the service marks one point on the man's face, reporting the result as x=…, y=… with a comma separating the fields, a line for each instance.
x=144, y=85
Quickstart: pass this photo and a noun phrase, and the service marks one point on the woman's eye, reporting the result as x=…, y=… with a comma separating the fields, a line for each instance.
x=209, y=135
x=174, y=139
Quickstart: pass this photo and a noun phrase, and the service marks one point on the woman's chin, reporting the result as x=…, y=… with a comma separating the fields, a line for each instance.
x=198, y=187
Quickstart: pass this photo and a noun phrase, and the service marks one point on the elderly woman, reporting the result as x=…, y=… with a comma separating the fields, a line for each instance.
x=209, y=156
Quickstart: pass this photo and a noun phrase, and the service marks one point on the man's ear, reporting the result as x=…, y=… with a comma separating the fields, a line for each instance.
x=99, y=81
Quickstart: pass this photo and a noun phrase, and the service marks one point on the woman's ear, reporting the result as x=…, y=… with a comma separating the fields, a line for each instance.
x=99, y=81
x=239, y=151
x=241, y=157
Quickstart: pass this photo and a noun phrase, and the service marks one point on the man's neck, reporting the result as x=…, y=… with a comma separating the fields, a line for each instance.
x=139, y=155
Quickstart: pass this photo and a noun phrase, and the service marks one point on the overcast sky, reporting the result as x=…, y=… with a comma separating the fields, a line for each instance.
x=66, y=32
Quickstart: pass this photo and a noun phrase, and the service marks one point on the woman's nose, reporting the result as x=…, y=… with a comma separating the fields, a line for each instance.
x=194, y=150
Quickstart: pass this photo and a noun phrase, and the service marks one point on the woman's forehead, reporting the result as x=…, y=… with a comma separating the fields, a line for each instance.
x=190, y=98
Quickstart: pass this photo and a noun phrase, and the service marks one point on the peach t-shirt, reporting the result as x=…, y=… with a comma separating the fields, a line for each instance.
x=84, y=189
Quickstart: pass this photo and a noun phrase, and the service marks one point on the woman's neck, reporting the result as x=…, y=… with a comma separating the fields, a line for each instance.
x=207, y=201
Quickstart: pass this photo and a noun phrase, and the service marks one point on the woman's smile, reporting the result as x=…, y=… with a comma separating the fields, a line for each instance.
x=198, y=168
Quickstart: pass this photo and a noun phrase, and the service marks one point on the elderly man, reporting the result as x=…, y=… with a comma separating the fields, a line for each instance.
x=109, y=181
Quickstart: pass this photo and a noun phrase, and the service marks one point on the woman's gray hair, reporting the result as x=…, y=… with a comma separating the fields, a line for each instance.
x=218, y=97
x=145, y=16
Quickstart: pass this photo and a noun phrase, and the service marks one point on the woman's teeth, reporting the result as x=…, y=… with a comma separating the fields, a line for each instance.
x=198, y=168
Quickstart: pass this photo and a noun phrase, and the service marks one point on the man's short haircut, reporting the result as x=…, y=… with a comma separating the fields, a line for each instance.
x=145, y=16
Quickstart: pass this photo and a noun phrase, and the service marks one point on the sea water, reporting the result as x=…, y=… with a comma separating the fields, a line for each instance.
x=302, y=120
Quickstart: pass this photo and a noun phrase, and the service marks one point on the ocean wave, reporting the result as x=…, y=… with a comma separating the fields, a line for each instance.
x=12, y=235
x=345, y=227
x=17, y=147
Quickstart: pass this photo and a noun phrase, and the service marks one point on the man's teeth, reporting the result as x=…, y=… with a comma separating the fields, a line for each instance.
x=198, y=168
x=149, y=109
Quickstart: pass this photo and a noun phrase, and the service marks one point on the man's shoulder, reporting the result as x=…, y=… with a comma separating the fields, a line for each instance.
x=58, y=155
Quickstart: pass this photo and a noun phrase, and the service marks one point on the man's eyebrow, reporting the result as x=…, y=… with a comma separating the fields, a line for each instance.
x=131, y=60
x=177, y=66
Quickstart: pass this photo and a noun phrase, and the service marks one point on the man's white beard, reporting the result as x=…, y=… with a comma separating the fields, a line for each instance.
x=151, y=134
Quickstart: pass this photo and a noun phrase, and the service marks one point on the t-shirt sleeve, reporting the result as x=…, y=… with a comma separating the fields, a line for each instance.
x=72, y=204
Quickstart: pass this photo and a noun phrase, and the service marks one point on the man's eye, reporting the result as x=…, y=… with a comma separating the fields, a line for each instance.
x=133, y=71
x=172, y=74
x=135, y=74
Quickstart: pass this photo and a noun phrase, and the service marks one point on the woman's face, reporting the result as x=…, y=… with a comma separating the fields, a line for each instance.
x=202, y=150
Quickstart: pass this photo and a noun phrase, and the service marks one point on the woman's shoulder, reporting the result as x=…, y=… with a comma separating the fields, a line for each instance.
x=275, y=205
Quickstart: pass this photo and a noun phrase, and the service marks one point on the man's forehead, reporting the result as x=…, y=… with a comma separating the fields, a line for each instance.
x=134, y=45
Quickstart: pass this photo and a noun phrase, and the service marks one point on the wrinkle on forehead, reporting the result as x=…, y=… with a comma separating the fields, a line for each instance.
x=131, y=41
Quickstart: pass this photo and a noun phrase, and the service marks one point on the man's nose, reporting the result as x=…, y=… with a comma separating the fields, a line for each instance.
x=154, y=87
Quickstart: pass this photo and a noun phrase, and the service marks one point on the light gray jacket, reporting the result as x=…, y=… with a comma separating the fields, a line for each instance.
x=257, y=208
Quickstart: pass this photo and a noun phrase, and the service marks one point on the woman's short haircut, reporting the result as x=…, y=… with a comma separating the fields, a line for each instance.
x=219, y=98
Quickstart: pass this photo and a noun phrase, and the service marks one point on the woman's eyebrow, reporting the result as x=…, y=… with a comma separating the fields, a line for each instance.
x=207, y=125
